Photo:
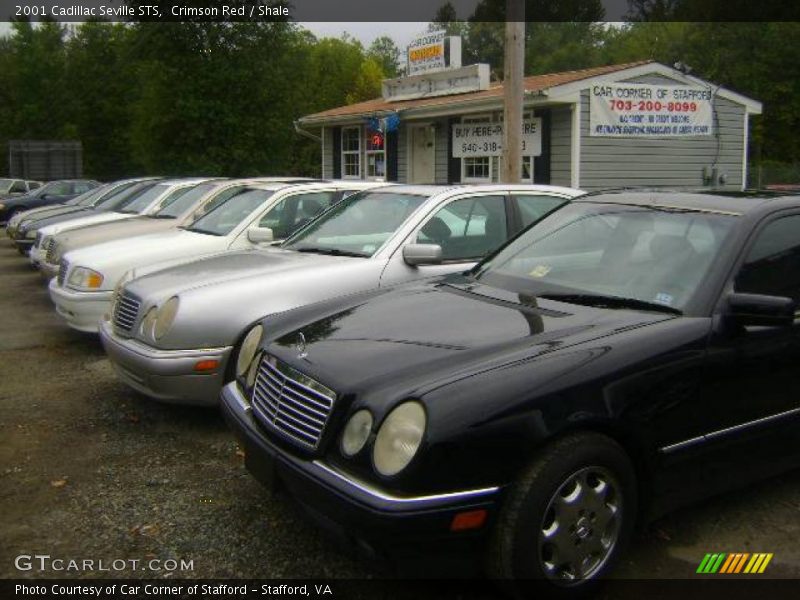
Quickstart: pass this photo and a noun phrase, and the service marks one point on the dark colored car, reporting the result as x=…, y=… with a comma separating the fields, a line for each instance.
x=55, y=192
x=112, y=197
x=628, y=354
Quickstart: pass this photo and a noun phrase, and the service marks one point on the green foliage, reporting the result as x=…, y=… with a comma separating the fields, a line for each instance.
x=386, y=53
x=181, y=98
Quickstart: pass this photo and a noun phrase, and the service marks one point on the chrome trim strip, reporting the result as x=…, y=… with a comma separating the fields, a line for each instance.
x=728, y=430
x=372, y=491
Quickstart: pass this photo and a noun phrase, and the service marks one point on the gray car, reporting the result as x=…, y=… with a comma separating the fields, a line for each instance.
x=171, y=332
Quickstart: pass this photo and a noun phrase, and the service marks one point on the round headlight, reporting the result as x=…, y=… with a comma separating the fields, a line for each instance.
x=399, y=438
x=148, y=322
x=356, y=432
x=248, y=349
x=253, y=370
x=165, y=317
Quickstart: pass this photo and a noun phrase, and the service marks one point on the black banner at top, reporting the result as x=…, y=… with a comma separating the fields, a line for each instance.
x=392, y=10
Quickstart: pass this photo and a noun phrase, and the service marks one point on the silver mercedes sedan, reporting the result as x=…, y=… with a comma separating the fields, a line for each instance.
x=171, y=332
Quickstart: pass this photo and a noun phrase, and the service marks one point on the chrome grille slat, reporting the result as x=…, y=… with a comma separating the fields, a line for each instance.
x=276, y=418
x=286, y=403
x=298, y=384
x=50, y=252
x=126, y=309
x=62, y=272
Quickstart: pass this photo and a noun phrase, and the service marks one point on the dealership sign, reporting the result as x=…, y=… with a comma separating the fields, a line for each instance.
x=649, y=111
x=434, y=51
x=486, y=139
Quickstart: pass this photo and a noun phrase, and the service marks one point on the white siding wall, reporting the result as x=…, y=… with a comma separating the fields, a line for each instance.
x=327, y=153
x=613, y=162
x=402, y=153
x=561, y=146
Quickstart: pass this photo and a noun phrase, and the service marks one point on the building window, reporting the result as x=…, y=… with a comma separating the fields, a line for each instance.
x=476, y=169
x=376, y=155
x=351, y=153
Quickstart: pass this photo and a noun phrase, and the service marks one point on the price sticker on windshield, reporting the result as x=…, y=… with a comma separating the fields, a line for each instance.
x=540, y=271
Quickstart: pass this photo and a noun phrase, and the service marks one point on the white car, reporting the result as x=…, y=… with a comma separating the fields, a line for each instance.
x=260, y=214
x=176, y=210
x=145, y=204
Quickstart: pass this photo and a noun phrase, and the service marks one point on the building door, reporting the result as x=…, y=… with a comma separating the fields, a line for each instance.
x=423, y=154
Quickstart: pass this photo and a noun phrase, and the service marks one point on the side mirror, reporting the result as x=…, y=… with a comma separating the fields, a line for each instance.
x=760, y=310
x=260, y=235
x=422, y=254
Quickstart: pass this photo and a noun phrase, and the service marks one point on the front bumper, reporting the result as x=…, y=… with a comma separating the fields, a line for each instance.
x=36, y=256
x=166, y=375
x=47, y=270
x=367, y=519
x=24, y=245
x=81, y=310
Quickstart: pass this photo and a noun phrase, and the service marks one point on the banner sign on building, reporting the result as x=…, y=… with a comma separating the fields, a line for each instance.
x=649, y=111
x=486, y=139
x=434, y=51
x=426, y=53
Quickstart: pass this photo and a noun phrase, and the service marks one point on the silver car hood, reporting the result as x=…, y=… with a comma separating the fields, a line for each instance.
x=227, y=267
x=221, y=296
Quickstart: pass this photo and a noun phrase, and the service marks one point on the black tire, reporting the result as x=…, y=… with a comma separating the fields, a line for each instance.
x=516, y=555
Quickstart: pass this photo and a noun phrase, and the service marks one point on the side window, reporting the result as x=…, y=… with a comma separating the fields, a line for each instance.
x=772, y=266
x=214, y=202
x=18, y=187
x=534, y=207
x=292, y=213
x=60, y=189
x=467, y=229
x=80, y=188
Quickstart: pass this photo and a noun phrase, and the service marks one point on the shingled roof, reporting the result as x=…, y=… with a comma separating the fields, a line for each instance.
x=534, y=83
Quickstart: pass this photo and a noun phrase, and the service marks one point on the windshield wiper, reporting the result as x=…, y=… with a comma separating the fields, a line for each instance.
x=331, y=251
x=601, y=301
x=157, y=216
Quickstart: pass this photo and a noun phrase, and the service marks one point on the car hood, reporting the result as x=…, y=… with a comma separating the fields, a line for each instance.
x=230, y=266
x=445, y=329
x=97, y=233
x=52, y=225
x=45, y=212
x=114, y=258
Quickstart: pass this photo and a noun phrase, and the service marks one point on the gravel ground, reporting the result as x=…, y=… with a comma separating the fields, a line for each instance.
x=91, y=469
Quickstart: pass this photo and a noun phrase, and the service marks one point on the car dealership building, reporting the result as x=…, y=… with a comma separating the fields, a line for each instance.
x=635, y=124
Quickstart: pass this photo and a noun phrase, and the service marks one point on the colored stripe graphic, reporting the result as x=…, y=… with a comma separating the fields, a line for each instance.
x=723, y=563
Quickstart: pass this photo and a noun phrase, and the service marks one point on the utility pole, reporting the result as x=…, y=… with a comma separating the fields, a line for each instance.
x=513, y=87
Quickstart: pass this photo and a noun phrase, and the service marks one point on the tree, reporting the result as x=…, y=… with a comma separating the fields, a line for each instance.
x=385, y=52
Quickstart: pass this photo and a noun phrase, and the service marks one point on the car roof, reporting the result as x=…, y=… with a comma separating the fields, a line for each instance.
x=722, y=202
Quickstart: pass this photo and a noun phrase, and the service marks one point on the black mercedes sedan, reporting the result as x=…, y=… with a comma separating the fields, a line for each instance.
x=632, y=352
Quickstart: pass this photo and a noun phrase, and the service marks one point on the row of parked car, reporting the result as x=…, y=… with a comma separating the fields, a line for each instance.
x=512, y=372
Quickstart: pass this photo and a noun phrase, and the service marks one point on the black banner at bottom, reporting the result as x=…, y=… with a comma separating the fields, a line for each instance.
x=375, y=589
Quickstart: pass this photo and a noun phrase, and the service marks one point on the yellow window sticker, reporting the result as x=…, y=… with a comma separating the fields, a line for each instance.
x=540, y=271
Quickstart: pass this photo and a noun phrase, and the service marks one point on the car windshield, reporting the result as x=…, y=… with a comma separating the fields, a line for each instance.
x=182, y=200
x=120, y=197
x=224, y=218
x=612, y=255
x=5, y=184
x=88, y=198
x=358, y=225
x=142, y=201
